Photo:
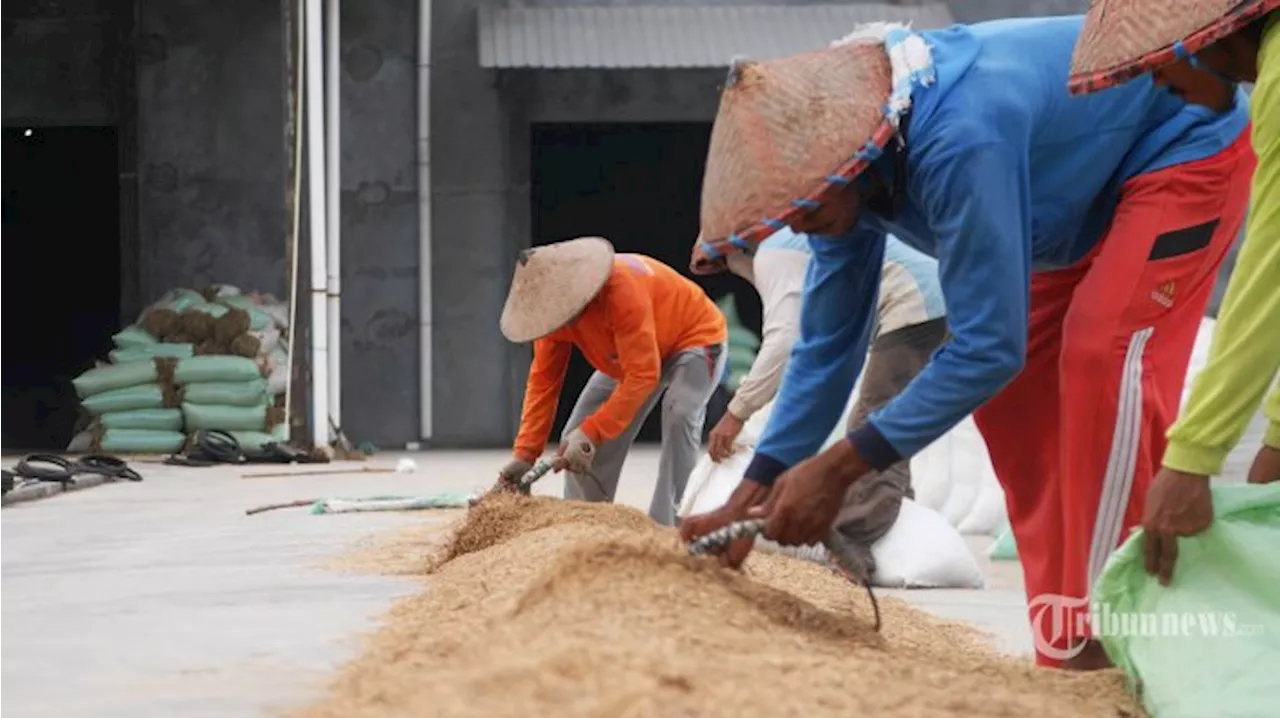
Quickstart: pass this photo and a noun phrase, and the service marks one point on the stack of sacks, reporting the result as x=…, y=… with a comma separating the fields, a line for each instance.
x=229, y=393
x=134, y=405
x=242, y=372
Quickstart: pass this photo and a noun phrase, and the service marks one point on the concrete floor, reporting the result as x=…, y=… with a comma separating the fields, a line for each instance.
x=161, y=598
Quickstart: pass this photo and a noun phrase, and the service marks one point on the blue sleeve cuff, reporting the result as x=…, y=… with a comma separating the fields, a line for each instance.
x=765, y=469
x=873, y=447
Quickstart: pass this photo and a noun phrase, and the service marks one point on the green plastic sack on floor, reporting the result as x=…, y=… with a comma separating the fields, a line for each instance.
x=225, y=418
x=255, y=440
x=228, y=393
x=1207, y=645
x=131, y=337
x=140, y=441
x=216, y=368
x=1004, y=548
x=155, y=419
x=151, y=351
x=130, y=398
x=118, y=376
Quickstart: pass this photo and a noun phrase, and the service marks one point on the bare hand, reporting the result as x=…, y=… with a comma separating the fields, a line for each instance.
x=806, y=499
x=1266, y=466
x=749, y=493
x=720, y=441
x=1178, y=504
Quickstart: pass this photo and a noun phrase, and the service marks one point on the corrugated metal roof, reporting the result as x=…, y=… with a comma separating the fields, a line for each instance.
x=672, y=37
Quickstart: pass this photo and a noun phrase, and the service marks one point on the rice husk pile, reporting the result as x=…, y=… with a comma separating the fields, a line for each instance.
x=542, y=607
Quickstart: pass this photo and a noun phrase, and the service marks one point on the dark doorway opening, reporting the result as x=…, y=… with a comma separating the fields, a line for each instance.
x=639, y=185
x=61, y=275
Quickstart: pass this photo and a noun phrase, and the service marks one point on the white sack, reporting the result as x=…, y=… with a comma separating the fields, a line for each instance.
x=921, y=550
x=1199, y=355
x=988, y=511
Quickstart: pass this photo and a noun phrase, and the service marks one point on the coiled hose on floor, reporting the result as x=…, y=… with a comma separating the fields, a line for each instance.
x=210, y=447
x=57, y=469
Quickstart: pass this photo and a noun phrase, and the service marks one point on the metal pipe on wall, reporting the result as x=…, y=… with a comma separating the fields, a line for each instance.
x=425, y=320
x=319, y=329
x=333, y=202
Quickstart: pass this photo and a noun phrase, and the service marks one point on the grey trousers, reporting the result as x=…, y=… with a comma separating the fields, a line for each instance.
x=688, y=380
x=871, y=505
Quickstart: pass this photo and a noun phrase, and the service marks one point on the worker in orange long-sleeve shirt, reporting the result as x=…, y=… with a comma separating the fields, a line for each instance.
x=647, y=330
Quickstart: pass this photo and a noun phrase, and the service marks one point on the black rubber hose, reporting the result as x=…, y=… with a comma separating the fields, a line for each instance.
x=63, y=474
x=105, y=465
x=218, y=446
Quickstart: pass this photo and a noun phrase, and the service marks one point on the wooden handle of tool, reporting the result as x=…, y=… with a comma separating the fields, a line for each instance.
x=285, y=505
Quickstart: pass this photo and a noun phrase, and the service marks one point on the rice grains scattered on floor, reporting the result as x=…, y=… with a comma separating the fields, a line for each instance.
x=540, y=607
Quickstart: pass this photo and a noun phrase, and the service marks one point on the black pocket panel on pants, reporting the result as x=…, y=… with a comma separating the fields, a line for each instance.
x=1183, y=241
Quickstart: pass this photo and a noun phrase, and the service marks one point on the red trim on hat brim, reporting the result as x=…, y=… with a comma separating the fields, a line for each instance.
x=1087, y=82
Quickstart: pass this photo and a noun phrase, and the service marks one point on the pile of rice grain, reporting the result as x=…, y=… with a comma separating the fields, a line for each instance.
x=541, y=607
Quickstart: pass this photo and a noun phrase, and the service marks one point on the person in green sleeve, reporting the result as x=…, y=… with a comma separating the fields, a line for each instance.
x=1193, y=54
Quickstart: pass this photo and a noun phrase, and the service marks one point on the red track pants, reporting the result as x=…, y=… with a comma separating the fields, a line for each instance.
x=1076, y=438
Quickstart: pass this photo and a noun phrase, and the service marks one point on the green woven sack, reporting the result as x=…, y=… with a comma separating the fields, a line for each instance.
x=151, y=351
x=1208, y=644
x=118, y=376
x=140, y=441
x=258, y=318
x=133, y=336
x=143, y=396
x=216, y=368
x=155, y=419
x=228, y=393
x=225, y=418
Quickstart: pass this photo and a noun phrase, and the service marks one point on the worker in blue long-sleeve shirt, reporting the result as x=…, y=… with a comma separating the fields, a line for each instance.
x=1078, y=240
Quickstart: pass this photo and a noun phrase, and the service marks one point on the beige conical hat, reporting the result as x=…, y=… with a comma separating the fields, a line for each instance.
x=1123, y=39
x=788, y=133
x=552, y=284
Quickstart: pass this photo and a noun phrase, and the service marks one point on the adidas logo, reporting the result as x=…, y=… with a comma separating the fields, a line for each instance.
x=1163, y=294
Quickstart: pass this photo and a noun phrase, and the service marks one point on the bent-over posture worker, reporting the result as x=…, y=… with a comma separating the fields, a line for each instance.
x=910, y=325
x=649, y=332
x=1078, y=240
x=1200, y=56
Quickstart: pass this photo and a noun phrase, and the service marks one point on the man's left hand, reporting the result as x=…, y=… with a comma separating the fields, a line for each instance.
x=576, y=453
x=720, y=441
x=806, y=498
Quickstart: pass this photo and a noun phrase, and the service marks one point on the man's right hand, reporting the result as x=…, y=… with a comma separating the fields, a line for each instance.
x=749, y=493
x=1178, y=504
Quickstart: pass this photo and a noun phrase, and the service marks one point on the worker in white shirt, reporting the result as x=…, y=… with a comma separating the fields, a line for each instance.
x=911, y=325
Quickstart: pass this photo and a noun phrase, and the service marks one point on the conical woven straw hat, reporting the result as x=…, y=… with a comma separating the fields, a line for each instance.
x=1123, y=39
x=787, y=134
x=552, y=284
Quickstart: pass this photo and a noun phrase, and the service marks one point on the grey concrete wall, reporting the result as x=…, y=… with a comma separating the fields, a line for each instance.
x=210, y=147
x=212, y=158
x=57, y=67
x=474, y=233
x=380, y=221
